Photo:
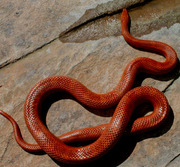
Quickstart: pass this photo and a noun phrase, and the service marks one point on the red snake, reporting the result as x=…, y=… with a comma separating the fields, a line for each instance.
x=106, y=135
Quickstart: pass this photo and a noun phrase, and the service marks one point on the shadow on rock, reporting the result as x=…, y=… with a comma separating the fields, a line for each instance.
x=125, y=146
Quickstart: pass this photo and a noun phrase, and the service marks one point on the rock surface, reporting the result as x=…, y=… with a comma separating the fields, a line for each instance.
x=28, y=25
x=144, y=19
x=98, y=64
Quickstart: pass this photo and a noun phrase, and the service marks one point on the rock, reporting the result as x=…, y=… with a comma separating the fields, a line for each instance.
x=144, y=19
x=98, y=65
x=95, y=54
x=28, y=25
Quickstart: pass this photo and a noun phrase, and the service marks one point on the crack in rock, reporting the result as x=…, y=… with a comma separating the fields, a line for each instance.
x=146, y=17
x=28, y=25
x=11, y=61
x=170, y=163
x=103, y=10
x=7, y=145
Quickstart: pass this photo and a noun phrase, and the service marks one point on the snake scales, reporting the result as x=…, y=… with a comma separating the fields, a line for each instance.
x=107, y=135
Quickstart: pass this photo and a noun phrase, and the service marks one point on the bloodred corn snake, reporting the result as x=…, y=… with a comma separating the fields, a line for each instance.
x=106, y=135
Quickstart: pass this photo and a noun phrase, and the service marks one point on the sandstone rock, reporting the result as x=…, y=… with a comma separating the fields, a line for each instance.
x=31, y=51
x=144, y=19
x=98, y=65
x=28, y=25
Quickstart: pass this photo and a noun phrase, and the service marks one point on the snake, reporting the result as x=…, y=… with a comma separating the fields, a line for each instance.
x=122, y=96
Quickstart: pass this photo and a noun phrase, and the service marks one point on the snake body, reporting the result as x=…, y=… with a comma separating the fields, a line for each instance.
x=106, y=135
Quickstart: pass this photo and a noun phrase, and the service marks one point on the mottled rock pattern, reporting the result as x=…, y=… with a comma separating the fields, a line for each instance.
x=99, y=65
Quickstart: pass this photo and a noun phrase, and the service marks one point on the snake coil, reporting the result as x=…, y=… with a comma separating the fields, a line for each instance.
x=106, y=135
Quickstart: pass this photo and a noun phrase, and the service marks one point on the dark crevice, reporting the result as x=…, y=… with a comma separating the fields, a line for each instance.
x=169, y=85
x=176, y=74
x=172, y=160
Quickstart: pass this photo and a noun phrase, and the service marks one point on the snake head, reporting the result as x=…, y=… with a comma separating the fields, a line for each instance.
x=124, y=17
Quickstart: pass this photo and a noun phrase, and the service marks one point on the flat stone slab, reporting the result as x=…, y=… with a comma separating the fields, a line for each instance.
x=28, y=25
x=145, y=18
x=98, y=65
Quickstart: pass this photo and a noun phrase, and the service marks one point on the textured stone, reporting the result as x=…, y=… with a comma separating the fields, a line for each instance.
x=144, y=19
x=98, y=65
x=28, y=25
x=30, y=29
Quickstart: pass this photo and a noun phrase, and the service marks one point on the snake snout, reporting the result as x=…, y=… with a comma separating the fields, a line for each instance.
x=124, y=16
